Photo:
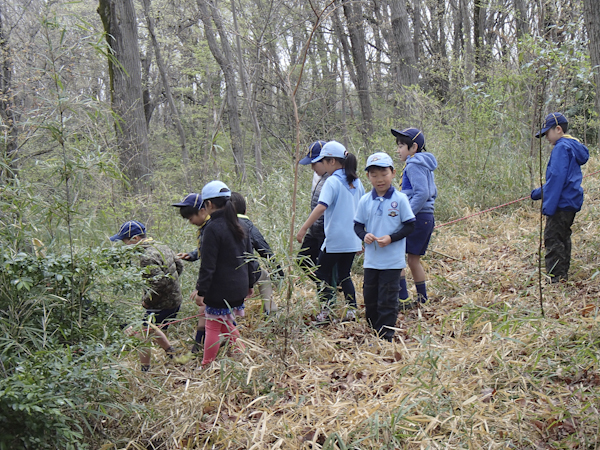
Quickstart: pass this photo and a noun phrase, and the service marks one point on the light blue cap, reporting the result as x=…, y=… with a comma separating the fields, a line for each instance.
x=215, y=189
x=380, y=159
x=332, y=149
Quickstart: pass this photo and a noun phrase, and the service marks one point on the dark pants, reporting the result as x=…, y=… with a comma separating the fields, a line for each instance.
x=325, y=273
x=381, y=300
x=557, y=240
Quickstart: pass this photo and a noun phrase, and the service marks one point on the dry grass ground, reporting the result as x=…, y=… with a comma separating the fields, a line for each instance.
x=478, y=367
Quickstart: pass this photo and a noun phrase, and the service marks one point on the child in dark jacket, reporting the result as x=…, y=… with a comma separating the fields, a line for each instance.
x=562, y=193
x=192, y=209
x=259, y=244
x=225, y=278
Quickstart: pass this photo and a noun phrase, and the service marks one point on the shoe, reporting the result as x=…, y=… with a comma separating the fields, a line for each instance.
x=350, y=316
x=196, y=349
x=406, y=304
x=323, y=316
x=145, y=368
x=171, y=352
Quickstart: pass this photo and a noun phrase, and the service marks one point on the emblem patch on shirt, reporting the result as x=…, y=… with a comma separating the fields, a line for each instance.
x=393, y=213
x=394, y=204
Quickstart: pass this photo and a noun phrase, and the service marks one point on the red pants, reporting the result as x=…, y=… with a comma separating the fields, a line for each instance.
x=214, y=329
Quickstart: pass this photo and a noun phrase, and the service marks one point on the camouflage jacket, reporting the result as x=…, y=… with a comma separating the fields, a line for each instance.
x=161, y=271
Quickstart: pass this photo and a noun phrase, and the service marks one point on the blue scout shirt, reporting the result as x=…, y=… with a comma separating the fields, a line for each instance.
x=382, y=216
x=341, y=200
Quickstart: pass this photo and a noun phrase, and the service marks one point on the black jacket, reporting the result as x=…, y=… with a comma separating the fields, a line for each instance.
x=225, y=276
x=259, y=243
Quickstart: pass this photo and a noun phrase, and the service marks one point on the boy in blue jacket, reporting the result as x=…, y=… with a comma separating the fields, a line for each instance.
x=562, y=194
x=418, y=184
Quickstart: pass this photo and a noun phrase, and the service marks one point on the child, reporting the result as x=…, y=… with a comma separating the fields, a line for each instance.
x=225, y=277
x=383, y=219
x=338, y=200
x=191, y=209
x=562, y=194
x=311, y=245
x=163, y=296
x=418, y=184
x=262, y=247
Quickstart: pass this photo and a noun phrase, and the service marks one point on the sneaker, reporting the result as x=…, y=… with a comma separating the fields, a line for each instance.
x=406, y=304
x=195, y=348
x=171, y=352
x=350, y=316
x=323, y=316
x=145, y=368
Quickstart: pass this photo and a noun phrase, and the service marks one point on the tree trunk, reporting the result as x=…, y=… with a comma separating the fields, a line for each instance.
x=185, y=157
x=9, y=126
x=521, y=22
x=120, y=26
x=252, y=106
x=592, y=22
x=353, y=13
x=225, y=59
x=407, y=62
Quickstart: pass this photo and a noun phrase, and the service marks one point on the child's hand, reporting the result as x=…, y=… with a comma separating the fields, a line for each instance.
x=370, y=238
x=384, y=241
x=129, y=331
x=250, y=292
x=185, y=256
x=199, y=300
x=300, y=235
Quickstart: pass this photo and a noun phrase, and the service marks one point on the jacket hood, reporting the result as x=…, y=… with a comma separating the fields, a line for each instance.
x=580, y=151
x=424, y=159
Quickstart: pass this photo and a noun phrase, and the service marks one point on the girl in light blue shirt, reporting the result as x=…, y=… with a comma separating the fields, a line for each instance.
x=338, y=202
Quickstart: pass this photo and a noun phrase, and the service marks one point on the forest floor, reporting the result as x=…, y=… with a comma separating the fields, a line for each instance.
x=477, y=367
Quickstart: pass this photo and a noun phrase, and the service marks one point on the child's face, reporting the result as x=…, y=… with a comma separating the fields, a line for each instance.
x=199, y=218
x=554, y=134
x=404, y=152
x=381, y=178
x=319, y=168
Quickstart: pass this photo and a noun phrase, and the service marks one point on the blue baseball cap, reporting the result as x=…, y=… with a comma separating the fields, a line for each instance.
x=380, y=159
x=128, y=230
x=314, y=150
x=215, y=189
x=414, y=134
x=193, y=199
x=552, y=120
x=332, y=149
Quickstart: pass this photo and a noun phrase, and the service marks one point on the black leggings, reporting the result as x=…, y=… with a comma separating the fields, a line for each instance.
x=326, y=262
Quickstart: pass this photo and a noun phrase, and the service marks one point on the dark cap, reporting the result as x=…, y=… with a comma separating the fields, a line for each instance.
x=128, y=230
x=314, y=150
x=413, y=134
x=193, y=199
x=552, y=120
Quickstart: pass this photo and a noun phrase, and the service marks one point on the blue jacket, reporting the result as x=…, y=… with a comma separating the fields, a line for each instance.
x=562, y=190
x=418, y=182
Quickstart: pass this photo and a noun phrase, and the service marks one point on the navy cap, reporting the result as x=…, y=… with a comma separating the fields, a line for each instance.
x=380, y=159
x=128, y=230
x=332, y=149
x=414, y=134
x=552, y=120
x=215, y=189
x=193, y=199
x=314, y=150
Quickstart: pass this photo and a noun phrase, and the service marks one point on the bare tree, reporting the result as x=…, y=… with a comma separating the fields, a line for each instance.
x=407, y=73
x=120, y=26
x=592, y=21
x=354, y=20
x=224, y=56
x=7, y=112
x=185, y=157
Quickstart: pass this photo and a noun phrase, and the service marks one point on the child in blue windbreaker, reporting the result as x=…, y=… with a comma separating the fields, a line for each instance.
x=562, y=193
x=418, y=183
